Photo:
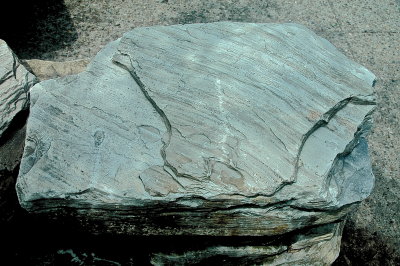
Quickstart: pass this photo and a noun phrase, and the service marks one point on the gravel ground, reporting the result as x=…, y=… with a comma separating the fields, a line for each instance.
x=365, y=30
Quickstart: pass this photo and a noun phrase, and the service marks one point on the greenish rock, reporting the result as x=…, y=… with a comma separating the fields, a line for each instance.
x=220, y=129
x=15, y=82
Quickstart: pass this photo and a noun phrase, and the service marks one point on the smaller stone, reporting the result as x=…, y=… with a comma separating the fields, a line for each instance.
x=15, y=82
x=49, y=69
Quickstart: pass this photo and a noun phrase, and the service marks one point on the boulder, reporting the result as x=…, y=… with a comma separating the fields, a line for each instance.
x=15, y=82
x=218, y=129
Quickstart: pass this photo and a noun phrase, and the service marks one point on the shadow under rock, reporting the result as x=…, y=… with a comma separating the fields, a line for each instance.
x=368, y=246
x=361, y=247
x=35, y=29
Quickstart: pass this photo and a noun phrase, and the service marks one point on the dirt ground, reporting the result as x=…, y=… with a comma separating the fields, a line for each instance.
x=368, y=31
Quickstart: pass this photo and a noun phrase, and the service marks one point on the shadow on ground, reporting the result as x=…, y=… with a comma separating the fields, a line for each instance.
x=361, y=247
x=373, y=245
x=35, y=29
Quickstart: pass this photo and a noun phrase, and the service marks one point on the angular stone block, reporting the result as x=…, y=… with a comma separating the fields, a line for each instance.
x=222, y=129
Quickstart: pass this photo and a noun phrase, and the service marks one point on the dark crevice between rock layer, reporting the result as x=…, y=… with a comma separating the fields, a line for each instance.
x=158, y=218
x=342, y=209
x=11, y=149
x=16, y=124
x=132, y=206
x=8, y=199
x=124, y=249
x=230, y=253
x=15, y=64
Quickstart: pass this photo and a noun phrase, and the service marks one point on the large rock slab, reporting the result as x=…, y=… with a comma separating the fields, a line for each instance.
x=205, y=129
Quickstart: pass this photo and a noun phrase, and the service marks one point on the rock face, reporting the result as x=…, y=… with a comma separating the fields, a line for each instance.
x=222, y=129
x=15, y=82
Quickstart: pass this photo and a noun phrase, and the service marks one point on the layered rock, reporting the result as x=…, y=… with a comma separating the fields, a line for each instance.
x=15, y=82
x=316, y=246
x=221, y=129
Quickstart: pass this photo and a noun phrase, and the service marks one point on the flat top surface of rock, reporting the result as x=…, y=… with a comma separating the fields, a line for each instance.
x=190, y=114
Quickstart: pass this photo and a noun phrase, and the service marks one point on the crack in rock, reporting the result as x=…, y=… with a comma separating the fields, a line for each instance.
x=167, y=123
x=326, y=117
x=168, y=137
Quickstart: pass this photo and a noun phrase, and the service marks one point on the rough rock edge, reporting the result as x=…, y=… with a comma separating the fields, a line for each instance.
x=67, y=200
x=307, y=243
x=29, y=81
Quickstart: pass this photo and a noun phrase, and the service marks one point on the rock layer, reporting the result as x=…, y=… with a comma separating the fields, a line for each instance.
x=15, y=82
x=205, y=129
x=316, y=246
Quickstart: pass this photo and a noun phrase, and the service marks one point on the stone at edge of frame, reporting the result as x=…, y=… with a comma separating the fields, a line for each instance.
x=15, y=82
x=247, y=122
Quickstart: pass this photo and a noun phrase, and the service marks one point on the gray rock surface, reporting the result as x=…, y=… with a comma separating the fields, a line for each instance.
x=204, y=129
x=15, y=82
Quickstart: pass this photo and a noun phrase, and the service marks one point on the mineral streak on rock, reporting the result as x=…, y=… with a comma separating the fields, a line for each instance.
x=15, y=82
x=203, y=129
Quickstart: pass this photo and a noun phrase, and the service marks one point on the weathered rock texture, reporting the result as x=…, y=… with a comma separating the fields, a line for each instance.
x=227, y=129
x=316, y=246
x=15, y=82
